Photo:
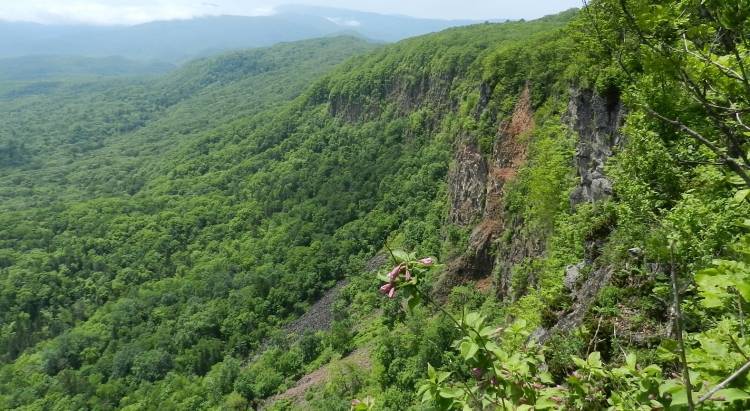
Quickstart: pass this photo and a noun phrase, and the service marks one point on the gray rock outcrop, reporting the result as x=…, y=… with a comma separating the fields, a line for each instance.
x=597, y=120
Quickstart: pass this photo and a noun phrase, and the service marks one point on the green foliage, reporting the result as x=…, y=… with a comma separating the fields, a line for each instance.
x=157, y=235
x=132, y=274
x=181, y=221
x=541, y=190
x=727, y=279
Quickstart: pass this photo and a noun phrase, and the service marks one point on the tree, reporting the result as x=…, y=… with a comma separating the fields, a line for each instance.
x=688, y=64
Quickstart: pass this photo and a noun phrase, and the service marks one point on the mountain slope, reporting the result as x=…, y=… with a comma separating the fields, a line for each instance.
x=180, y=40
x=53, y=130
x=376, y=26
x=569, y=221
x=233, y=234
x=172, y=41
x=35, y=68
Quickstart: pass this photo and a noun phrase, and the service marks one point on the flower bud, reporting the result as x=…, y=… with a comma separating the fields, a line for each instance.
x=427, y=261
x=387, y=288
x=393, y=275
x=392, y=292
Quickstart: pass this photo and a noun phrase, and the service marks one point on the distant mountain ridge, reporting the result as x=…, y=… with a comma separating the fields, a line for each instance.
x=172, y=41
x=177, y=41
x=377, y=26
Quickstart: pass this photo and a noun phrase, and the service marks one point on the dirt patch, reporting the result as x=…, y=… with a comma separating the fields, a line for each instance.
x=508, y=154
x=484, y=285
x=296, y=394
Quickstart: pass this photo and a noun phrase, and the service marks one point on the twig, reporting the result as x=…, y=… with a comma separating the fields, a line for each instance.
x=725, y=70
x=596, y=334
x=731, y=162
x=739, y=120
x=473, y=396
x=724, y=383
x=738, y=348
x=395, y=261
x=616, y=341
x=742, y=315
x=678, y=326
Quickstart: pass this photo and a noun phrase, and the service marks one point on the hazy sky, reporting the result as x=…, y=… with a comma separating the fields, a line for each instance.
x=139, y=11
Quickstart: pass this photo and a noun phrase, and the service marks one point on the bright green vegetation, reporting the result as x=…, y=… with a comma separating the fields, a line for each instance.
x=36, y=68
x=157, y=235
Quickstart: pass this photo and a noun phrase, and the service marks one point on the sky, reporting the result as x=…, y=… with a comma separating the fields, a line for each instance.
x=105, y=12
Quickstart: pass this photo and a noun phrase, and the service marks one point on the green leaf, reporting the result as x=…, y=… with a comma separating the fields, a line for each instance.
x=487, y=331
x=741, y=195
x=712, y=287
x=630, y=360
x=595, y=359
x=737, y=181
x=469, y=349
x=679, y=397
x=474, y=320
x=412, y=302
x=579, y=362
x=427, y=395
x=430, y=372
x=730, y=395
x=669, y=387
x=401, y=256
x=744, y=289
x=652, y=369
x=451, y=392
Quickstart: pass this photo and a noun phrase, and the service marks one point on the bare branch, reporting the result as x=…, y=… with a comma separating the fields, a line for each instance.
x=678, y=330
x=739, y=120
x=707, y=396
x=708, y=60
x=732, y=163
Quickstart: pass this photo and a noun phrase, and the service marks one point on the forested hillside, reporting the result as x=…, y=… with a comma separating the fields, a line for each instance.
x=35, y=68
x=530, y=215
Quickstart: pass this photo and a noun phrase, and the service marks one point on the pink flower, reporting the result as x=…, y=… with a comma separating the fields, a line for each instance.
x=407, y=275
x=393, y=275
x=477, y=373
x=386, y=289
x=427, y=261
x=392, y=293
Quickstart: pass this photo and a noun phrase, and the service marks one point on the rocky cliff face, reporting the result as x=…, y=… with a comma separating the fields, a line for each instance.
x=467, y=181
x=596, y=119
x=476, y=190
x=406, y=94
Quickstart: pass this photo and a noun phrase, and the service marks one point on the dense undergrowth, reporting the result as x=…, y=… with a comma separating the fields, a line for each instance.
x=157, y=235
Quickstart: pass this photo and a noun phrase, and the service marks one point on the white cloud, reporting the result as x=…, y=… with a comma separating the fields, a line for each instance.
x=344, y=22
x=139, y=11
x=120, y=11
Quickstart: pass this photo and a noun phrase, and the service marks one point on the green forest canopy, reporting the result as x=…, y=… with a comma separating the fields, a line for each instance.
x=157, y=234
